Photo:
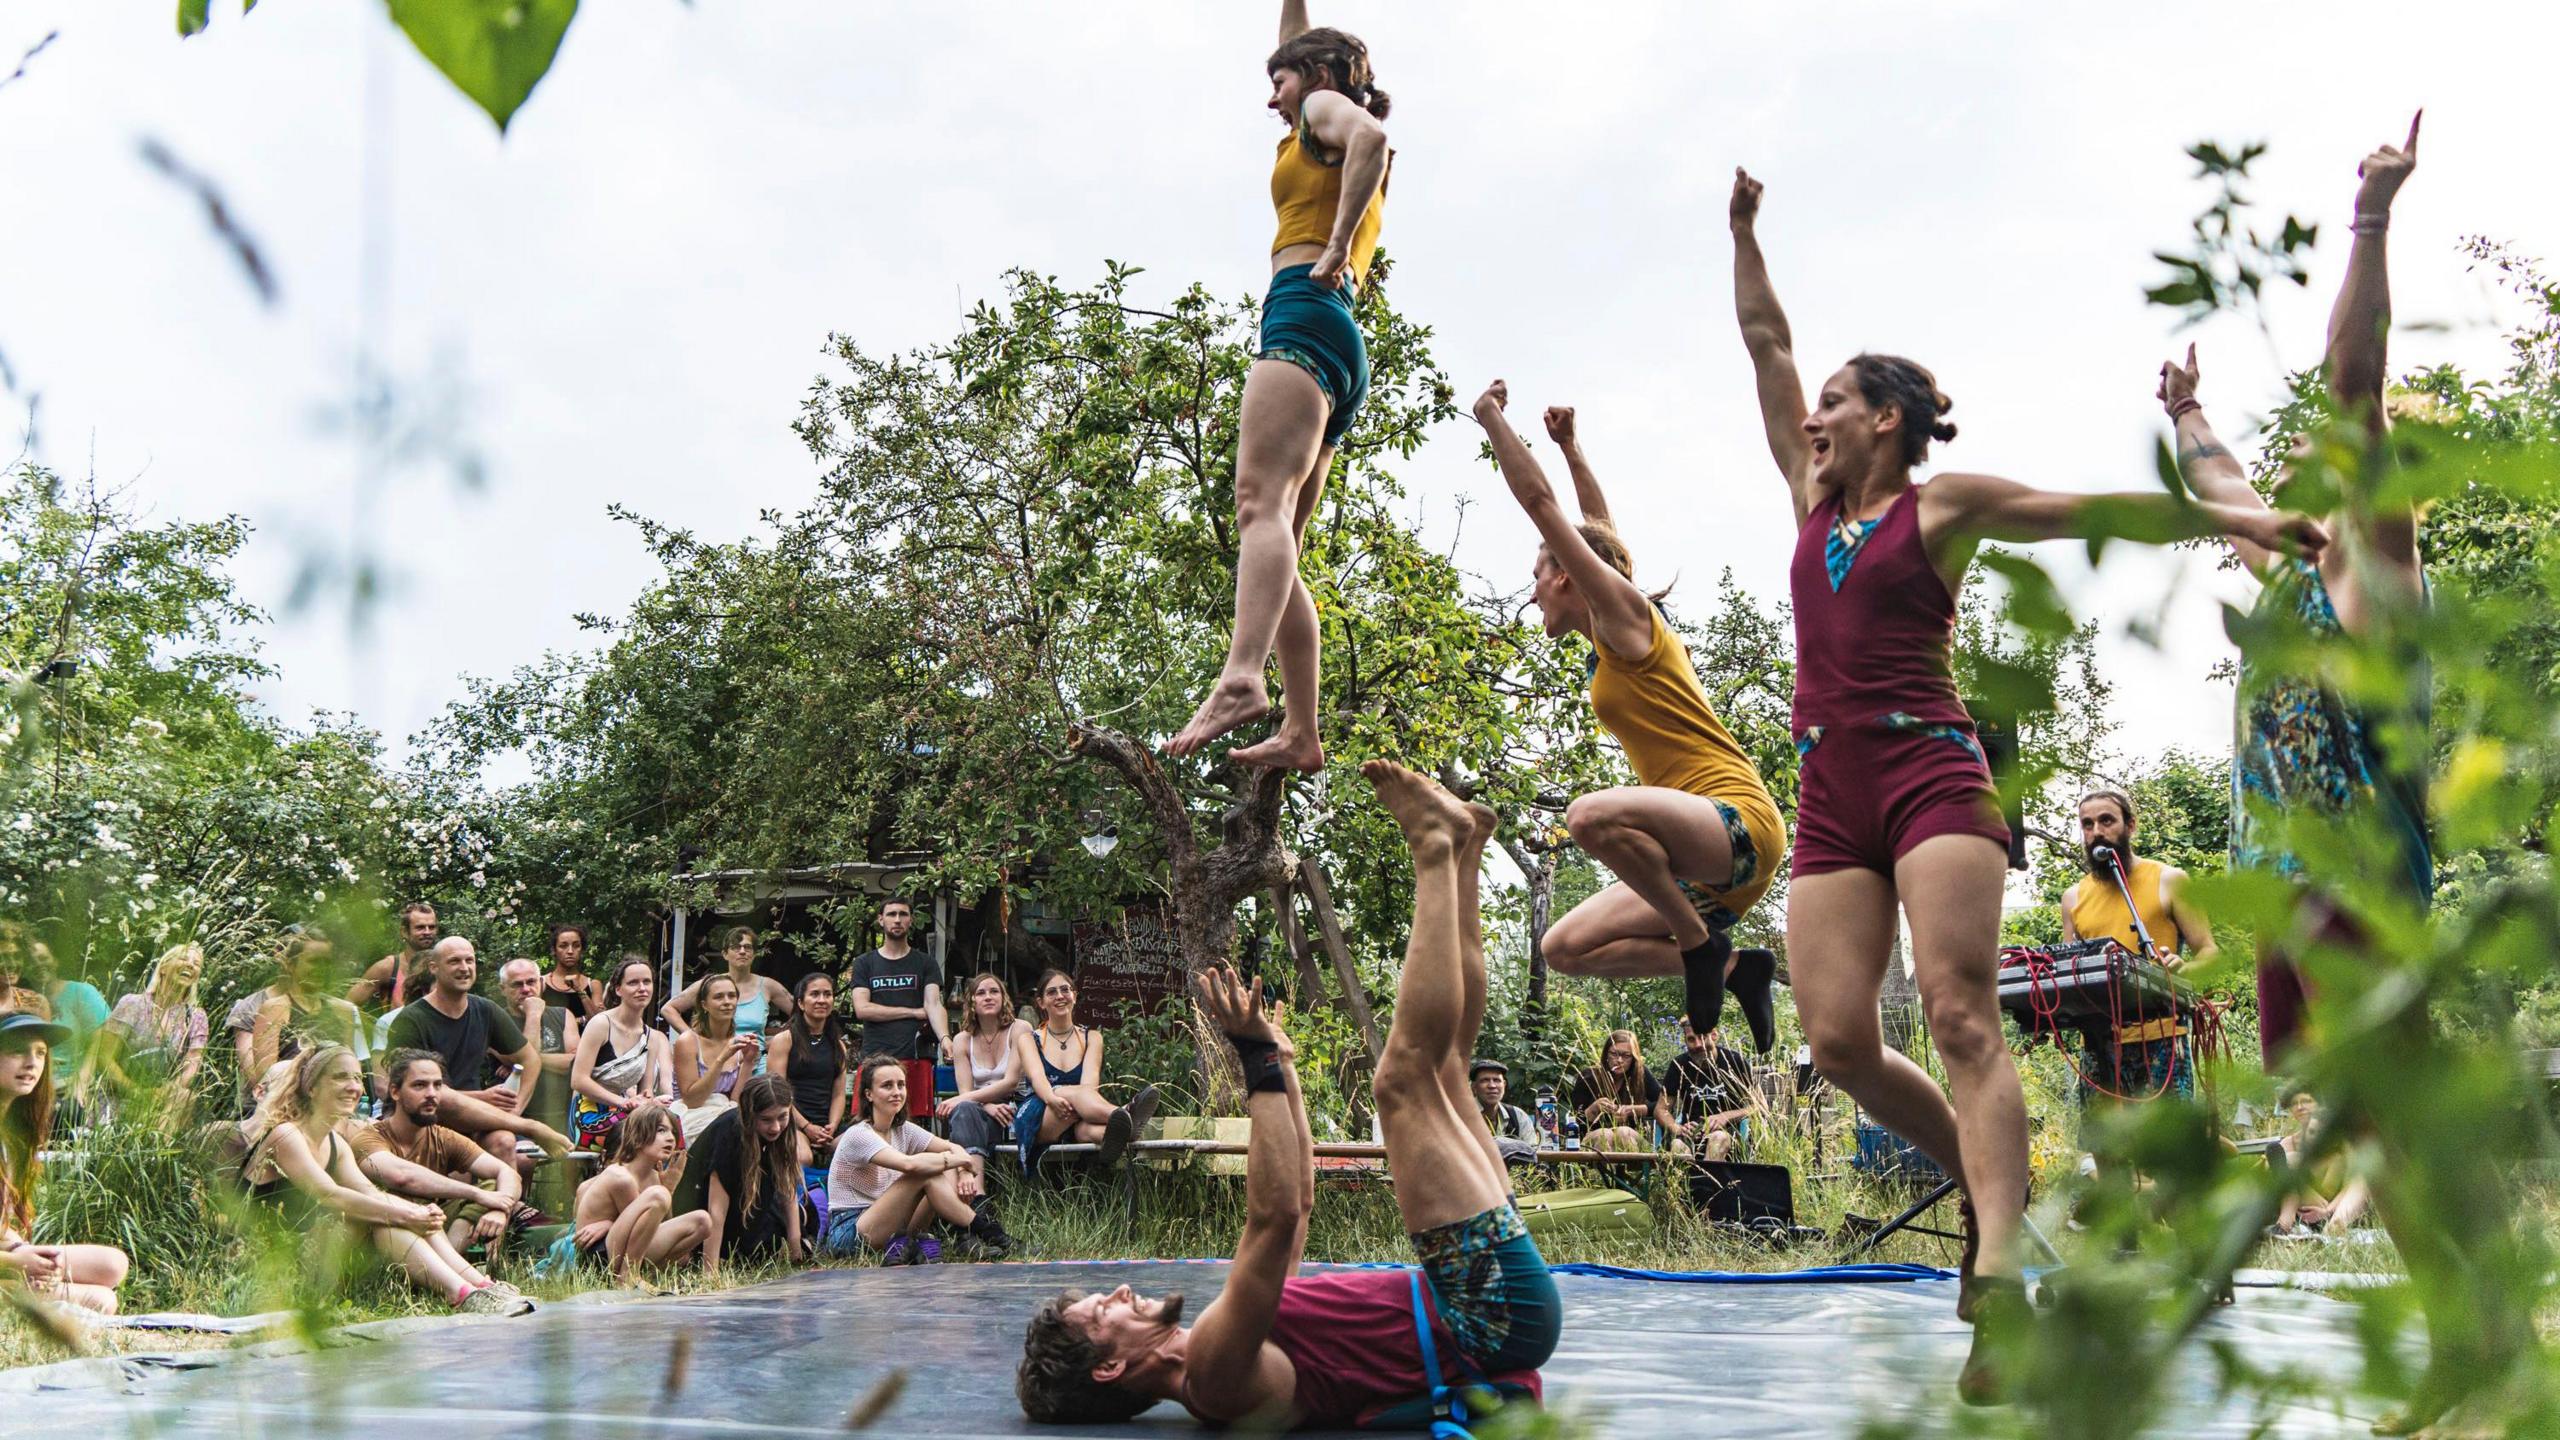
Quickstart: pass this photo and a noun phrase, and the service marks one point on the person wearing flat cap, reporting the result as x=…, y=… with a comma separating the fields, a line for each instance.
x=1515, y=1133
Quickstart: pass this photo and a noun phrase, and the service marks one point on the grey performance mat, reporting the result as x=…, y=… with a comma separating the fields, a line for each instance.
x=1802, y=1357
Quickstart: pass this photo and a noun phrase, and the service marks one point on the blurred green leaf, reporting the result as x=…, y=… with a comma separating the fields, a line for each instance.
x=495, y=51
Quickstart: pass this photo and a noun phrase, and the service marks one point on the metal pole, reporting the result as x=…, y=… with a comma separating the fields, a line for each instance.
x=675, y=955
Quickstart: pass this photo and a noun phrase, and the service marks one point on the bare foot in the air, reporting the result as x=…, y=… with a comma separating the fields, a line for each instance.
x=1290, y=749
x=1233, y=703
x=1431, y=818
x=1480, y=823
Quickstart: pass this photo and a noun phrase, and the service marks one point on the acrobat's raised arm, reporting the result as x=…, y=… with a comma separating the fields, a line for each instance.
x=1621, y=616
x=2360, y=321
x=2359, y=341
x=1232, y=1370
x=1772, y=346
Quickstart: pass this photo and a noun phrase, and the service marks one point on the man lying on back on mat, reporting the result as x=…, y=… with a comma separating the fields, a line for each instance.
x=1353, y=1347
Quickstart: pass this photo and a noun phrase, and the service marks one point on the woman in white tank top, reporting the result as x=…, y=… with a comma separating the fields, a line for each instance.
x=988, y=1068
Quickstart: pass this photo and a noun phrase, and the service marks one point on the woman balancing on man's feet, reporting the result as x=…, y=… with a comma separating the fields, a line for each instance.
x=1897, y=801
x=1360, y=1346
x=1328, y=184
x=1695, y=842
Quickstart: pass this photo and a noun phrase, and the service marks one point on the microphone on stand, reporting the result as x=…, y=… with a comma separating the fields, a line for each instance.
x=2112, y=864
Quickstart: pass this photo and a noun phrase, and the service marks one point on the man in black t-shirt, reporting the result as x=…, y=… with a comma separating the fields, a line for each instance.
x=463, y=1029
x=897, y=994
x=1707, y=1092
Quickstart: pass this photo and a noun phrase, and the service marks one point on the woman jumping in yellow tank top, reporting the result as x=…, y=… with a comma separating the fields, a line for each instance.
x=1696, y=841
x=1328, y=184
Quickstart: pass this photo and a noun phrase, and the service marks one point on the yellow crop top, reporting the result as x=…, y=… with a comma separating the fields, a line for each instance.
x=1659, y=712
x=1307, y=191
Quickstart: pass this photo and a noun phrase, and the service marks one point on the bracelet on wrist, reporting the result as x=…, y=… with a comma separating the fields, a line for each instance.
x=2187, y=405
x=2365, y=224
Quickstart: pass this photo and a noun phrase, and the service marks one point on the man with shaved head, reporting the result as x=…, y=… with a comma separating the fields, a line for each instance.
x=464, y=1029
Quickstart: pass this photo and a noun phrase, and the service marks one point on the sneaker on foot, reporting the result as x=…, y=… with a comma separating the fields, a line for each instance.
x=1117, y=1132
x=1141, y=1108
x=1754, y=971
x=925, y=1251
x=900, y=1251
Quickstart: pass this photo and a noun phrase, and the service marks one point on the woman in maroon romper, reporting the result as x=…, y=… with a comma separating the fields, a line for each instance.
x=1897, y=804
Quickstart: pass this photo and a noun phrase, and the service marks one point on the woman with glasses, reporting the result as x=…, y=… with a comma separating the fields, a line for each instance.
x=1063, y=1061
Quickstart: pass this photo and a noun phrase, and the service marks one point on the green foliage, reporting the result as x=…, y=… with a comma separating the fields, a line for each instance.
x=494, y=51
x=146, y=801
x=2412, y=1035
x=2227, y=264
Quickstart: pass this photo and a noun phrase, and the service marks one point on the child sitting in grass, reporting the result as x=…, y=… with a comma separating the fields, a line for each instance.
x=623, y=1215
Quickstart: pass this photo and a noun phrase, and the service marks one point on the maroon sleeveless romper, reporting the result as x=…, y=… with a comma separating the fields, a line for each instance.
x=1889, y=756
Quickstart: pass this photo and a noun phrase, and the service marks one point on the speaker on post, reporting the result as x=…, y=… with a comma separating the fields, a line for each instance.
x=1999, y=738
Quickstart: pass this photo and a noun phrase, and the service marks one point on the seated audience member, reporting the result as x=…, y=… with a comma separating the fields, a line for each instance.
x=713, y=1058
x=18, y=966
x=554, y=1029
x=463, y=1029
x=153, y=1042
x=283, y=1019
x=753, y=1156
x=624, y=1217
x=1515, y=1131
x=303, y=1168
x=566, y=985
x=891, y=1179
x=1706, y=1095
x=72, y=1003
x=224, y=1144
x=1063, y=1062
x=1617, y=1097
x=398, y=978
x=84, y=1275
x=811, y=1053
x=762, y=1002
x=621, y=1061
x=2323, y=1198
x=986, y=1064
x=407, y=1153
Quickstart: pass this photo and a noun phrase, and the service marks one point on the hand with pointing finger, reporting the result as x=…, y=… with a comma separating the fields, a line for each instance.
x=2384, y=170
x=2178, y=382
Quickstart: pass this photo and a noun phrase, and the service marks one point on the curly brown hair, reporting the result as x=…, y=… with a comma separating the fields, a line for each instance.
x=1055, y=1380
x=1332, y=59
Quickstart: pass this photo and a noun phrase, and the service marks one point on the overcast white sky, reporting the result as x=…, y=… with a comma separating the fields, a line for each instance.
x=635, y=284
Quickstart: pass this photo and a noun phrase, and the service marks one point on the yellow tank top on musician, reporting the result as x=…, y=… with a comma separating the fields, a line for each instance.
x=1306, y=190
x=1659, y=712
x=2098, y=912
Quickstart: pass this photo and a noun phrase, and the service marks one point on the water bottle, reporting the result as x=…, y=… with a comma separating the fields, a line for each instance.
x=1548, y=1130
x=1572, y=1131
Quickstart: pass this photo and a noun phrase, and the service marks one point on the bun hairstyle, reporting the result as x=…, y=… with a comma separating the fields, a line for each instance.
x=1333, y=60
x=1911, y=391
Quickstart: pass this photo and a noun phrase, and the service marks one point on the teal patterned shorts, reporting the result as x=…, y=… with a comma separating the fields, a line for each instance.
x=1493, y=1289
x=1746, y=868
